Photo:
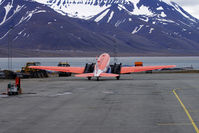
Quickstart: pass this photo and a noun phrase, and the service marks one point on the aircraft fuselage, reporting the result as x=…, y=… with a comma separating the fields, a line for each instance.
x=102, y=64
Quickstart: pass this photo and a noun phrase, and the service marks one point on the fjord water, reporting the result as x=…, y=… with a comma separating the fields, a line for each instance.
x=189, y=61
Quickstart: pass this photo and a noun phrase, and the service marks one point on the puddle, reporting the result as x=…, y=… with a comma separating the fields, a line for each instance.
x=107, y=92
x=61, y=94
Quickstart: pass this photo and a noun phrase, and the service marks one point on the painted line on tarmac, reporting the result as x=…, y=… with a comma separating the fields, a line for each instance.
x=186, y=111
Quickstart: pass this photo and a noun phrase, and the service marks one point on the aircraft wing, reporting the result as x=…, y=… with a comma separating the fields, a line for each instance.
x=144, y=68
x=60, y=69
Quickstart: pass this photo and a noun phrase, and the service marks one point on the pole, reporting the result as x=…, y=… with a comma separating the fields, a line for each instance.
x=10, y=49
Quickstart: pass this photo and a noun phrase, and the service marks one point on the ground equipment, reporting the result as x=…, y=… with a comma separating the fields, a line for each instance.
x=33, y=73
x=138, y=64
x=64, y=74
x=14, y=89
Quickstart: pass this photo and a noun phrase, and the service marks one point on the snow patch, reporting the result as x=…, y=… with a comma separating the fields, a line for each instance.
x=163, y=14
x=146, y=19
x=137, y=29
x=165, y=20
x=24, y=34
x=130, y=19
x=15, y=38
x=110, y=17
x=29, y=15
x=175, y=33
x=118, y=23
x=42, y=1
x=1, y=1
x=143, y=10
x=184, y=29
x=4, y=35
x=21, y=32
x=77, y=9
x=39, y=11
x=151, y=30
x=101, y=16
x=119, y=8
x=160, y=8
x=7, y=9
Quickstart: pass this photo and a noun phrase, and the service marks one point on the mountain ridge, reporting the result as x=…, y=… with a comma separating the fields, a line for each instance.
x=38, y=26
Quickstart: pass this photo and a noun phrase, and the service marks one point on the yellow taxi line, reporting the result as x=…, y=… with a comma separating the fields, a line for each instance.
x=186, y=111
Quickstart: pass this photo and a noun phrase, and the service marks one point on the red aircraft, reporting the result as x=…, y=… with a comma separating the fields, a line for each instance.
x=101, y=69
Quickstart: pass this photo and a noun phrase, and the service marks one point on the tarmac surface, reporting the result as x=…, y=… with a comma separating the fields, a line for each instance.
x=137, y=103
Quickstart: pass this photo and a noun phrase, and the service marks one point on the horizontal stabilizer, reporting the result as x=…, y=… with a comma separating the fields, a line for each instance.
x=108, y=75
x=85, y=75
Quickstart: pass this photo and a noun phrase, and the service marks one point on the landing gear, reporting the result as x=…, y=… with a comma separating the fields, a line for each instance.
x=97, y=78
x=118, y=77
x=89, y=78
x=116, y=69
x=89, y=68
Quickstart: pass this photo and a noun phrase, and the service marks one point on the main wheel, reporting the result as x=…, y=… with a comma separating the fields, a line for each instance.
x=89, y=78
x=118, y=77
x=97, y=78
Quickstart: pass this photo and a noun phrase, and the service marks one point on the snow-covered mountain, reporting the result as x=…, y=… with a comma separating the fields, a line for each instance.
x=121, y=12
x=153, y=26
x=86, y=9
x=30, y=25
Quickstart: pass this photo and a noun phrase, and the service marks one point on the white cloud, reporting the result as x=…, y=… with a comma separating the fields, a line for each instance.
x=191, y=6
